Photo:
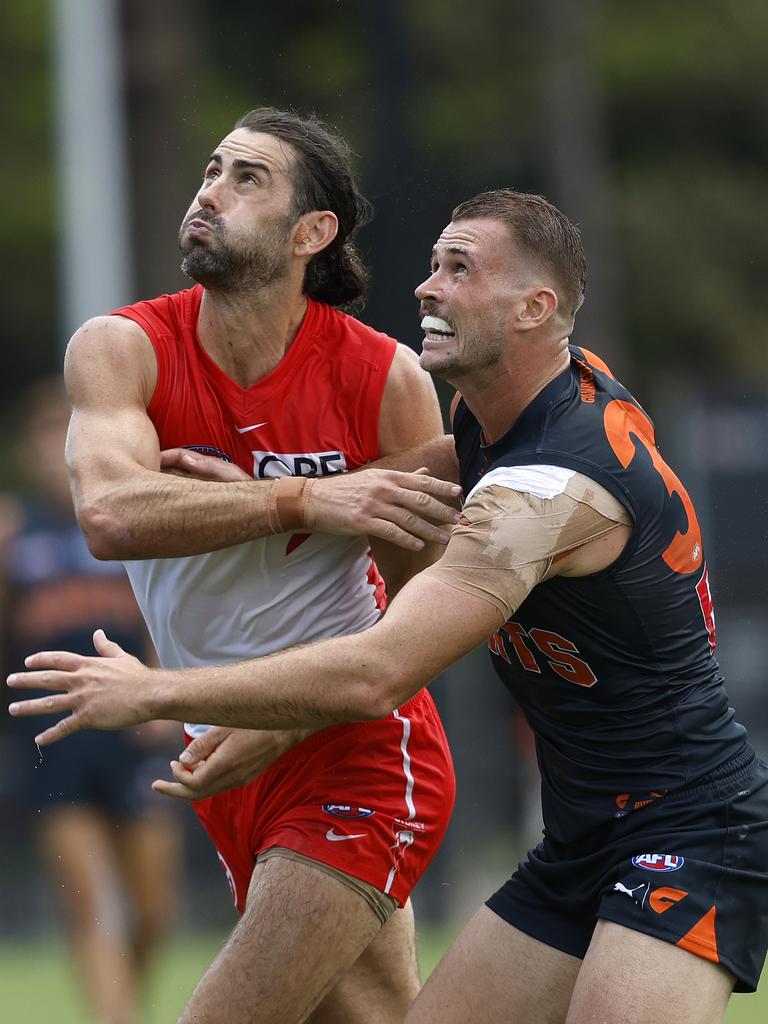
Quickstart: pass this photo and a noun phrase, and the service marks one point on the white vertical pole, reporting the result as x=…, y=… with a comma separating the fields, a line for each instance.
x=91, y=169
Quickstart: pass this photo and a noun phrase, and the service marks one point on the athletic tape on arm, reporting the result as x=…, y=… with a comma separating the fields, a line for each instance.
x=287, y=503
x=506, y=539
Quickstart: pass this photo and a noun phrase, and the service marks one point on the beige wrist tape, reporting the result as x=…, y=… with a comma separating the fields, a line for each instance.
x=287, y=503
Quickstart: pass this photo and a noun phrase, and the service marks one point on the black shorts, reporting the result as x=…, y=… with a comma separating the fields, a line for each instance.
x=110, y=771
x=691, y=869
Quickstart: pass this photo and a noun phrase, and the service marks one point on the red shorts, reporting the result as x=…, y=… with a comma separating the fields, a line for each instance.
x=372, y=799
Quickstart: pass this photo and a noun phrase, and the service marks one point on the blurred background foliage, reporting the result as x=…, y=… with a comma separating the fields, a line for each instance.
x=646, y=123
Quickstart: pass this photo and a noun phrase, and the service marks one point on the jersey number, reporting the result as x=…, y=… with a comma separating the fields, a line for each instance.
x=623, y=421
x=559, y=652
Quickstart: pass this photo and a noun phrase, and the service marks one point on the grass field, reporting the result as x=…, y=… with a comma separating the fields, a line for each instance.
x=36, y=986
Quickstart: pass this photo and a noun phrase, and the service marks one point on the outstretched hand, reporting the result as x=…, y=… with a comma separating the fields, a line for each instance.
x=101, y=693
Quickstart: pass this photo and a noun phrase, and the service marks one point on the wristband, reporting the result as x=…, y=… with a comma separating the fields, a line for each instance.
x=286, y=508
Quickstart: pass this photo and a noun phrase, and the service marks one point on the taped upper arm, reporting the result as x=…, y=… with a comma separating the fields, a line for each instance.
x=110, y=371
x=507, y=539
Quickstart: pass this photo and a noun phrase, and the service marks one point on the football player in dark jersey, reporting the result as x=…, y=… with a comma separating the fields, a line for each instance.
x=579, y=559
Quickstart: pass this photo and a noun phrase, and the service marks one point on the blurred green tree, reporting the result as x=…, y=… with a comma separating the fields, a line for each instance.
x=646, y=123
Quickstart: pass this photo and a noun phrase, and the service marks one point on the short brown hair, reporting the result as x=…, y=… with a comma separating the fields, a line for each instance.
x=323, y=179
x=542, y=232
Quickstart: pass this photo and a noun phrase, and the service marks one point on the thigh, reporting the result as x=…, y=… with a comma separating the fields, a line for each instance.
x=371, y=799
x=374, y=800
x=629, y=977
x=383, y=981
x=494, y=972
x=302, y=930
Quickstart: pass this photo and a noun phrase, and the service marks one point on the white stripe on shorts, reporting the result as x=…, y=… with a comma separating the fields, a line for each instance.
x=403, y=837
x=406, y=763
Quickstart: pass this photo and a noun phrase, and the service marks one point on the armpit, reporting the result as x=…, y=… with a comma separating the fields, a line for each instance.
x=506, y=539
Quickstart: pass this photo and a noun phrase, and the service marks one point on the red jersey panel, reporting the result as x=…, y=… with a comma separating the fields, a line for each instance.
x=316, y=414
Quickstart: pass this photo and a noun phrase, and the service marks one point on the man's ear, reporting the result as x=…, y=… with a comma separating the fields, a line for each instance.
x=314, y=232
x=537, y=307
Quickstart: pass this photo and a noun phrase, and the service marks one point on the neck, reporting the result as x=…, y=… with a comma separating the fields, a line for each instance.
x=499, y=395
x=248, y=333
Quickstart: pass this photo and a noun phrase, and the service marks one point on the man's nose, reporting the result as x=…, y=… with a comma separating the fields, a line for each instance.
x=210, y=196
x=427, y=289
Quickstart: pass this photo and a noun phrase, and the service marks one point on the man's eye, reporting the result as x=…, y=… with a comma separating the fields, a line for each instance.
x=210, y=172
x=461, y=268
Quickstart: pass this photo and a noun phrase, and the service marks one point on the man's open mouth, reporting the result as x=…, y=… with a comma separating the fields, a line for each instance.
x=434, y=327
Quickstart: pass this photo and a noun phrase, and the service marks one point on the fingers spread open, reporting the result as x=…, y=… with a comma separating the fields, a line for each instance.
x=105, y=647
x=66, y=727
x=52, y=705
x=66, y=661
x=43, y=680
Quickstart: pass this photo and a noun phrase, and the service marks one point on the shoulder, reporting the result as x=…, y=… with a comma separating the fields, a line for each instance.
x=110, y=348
x=410, y=412
x=108, y=339
x=407, y=382
x=405, y=371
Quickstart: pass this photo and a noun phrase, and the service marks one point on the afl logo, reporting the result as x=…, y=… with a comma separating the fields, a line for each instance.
x=658, y=861
x=347, y=811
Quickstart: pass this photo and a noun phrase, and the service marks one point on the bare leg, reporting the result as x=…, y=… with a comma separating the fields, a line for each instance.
x=493, y=972
x=382, y=984
x=78, y=850
x=150, y=853
x=301, y=932
x=632, y=978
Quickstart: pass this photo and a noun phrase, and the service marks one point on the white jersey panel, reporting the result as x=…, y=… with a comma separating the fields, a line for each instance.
x=543, y=481
x=253, y=599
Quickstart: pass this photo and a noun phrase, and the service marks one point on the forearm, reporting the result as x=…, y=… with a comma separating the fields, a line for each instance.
x=156, y=515
x=338, y=680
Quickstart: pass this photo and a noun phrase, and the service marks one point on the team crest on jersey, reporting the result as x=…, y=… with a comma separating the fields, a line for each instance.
x=347, y=811
x=208, y=449
x=268, y=465
x=659, y=861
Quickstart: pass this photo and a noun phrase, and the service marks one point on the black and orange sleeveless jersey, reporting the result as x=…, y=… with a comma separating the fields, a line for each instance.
x=614, y=671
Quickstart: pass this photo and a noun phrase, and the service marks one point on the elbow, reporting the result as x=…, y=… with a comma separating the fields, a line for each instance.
x=379, y=697
x=105, y=540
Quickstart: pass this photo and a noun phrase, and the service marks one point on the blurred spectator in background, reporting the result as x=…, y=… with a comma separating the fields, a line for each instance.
x=109, y=844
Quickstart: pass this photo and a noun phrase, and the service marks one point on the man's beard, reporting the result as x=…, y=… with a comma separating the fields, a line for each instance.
x=477, y=354
x=218, y=265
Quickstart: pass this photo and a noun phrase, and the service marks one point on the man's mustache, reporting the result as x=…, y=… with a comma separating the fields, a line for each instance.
x=207, y=218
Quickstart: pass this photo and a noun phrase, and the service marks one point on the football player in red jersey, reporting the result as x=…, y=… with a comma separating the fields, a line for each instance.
x=258, y=365
x=579, y=558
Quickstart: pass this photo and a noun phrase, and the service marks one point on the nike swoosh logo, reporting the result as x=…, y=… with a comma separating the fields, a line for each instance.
x=336, y=838
x=244, y=430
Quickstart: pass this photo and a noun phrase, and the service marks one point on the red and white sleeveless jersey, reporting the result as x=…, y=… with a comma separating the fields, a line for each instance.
x=316, y=414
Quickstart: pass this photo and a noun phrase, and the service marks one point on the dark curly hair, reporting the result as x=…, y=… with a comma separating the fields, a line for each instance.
x=322, y=180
